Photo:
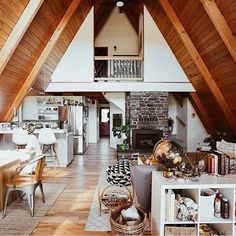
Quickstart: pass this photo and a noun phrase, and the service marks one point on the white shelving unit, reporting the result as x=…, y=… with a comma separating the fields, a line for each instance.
x=47, y=107
x=226, y=185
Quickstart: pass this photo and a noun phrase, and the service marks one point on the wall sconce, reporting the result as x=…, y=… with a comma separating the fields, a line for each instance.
x=115, y=48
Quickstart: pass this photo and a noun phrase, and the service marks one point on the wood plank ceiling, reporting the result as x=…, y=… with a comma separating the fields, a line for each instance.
x=201, y=33
x=31, y=47
x=209, y=45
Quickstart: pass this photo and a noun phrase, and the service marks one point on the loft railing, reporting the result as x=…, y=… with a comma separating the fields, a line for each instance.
x=118, y=68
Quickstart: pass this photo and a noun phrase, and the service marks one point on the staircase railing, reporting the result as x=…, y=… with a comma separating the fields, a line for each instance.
x=118, y=68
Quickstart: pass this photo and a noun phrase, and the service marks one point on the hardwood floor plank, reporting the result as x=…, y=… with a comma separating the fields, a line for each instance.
x=68, y=215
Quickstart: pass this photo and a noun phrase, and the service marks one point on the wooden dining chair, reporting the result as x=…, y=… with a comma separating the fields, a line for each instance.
x=27, y=183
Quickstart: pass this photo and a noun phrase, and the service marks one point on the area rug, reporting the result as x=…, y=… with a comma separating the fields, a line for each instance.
x=18, y=220
x=97, y=222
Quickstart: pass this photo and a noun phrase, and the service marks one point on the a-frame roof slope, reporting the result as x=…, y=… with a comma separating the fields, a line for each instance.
x=203, y=45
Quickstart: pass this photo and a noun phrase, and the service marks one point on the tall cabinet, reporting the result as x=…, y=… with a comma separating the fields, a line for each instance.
x=160, y=185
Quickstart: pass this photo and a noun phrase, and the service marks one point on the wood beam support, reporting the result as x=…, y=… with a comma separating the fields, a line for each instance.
x=18, y=32
x=200, y=64
x=132, y=19
x=42, y=58
x=103, y=14
x=179, y=98
x=221, y=25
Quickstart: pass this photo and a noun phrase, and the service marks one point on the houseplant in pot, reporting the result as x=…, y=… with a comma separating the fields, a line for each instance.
x=123, y=133
x=170, y=124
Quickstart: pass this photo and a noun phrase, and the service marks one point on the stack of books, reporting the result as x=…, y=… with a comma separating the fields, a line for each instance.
x=218, y=163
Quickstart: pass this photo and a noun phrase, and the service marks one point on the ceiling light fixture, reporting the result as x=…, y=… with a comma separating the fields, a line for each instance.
x=119, y=3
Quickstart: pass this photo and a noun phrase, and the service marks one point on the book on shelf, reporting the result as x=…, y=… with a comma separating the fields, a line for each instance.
x=212, y=163
x=223, y=163
x=170, y=208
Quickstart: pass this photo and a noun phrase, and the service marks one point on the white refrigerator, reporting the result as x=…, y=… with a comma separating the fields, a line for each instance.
x=77, y=122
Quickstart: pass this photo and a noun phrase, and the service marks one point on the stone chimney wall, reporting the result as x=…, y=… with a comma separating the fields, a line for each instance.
x=147, y=110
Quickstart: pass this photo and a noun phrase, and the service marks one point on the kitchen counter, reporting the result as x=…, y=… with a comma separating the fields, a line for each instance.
x=64, y=145
x=36, y=131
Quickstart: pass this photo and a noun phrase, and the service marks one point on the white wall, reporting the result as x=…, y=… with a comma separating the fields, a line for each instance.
x=93, y=129
x=117, y=99
x=172, y=110
x=196, y=131
x=77, y=63
x=117, y=31
x=193, y=133
x=30, y=108
x=160, y=64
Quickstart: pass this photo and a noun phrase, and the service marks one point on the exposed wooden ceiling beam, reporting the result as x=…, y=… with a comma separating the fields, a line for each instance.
x=221, y=25
x=42, y=58
x=179, y=98
x=203, y=114
x=200, y=64
x=18, y=32
x=101, y=16
x=134, y=20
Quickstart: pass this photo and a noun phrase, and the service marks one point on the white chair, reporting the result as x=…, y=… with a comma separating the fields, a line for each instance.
x=32, y=146
x=48, y=140
x=20, y=138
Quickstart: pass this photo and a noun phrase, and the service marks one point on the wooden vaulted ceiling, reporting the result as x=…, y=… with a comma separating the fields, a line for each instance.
x=201, y=34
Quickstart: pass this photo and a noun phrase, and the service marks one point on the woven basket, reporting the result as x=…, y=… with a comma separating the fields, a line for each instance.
x=178, y=230
x=119, y=229
x=116, y=191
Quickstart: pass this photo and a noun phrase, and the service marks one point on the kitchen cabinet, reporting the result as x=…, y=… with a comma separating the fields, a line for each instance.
x=29, y=108
x=41, y=108
x=64, y=148
x=64, y=145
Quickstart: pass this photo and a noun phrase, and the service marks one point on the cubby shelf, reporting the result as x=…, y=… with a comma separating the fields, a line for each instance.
x=226, y=186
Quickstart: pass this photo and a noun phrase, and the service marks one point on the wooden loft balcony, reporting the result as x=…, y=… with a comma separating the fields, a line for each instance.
x=118, y=68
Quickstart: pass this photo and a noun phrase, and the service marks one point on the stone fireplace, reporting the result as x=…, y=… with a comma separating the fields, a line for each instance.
x=147, y=115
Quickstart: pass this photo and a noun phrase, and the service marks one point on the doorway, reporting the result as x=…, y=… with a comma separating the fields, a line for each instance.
x=101, y=65
x=104, y=122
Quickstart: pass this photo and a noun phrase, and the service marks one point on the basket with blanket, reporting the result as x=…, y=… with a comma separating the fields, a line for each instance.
x=127, y=220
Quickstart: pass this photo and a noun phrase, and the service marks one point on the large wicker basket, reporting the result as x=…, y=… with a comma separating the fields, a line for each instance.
x=118, y=229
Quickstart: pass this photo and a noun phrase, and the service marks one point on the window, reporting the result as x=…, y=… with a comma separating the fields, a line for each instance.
x=105, y=115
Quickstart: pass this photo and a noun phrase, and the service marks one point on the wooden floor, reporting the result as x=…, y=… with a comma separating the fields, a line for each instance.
x=69, y=214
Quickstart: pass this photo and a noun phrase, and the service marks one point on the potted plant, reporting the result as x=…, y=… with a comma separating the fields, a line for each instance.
x=170, y=124
x=123, y=133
